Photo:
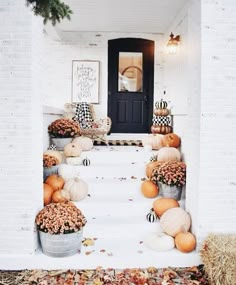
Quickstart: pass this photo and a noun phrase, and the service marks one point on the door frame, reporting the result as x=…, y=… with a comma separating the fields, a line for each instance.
x=129, y=45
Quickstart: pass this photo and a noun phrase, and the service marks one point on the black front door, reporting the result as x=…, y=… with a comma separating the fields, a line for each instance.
x=130, y=84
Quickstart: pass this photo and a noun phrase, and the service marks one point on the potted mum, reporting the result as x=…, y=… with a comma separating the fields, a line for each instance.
x=60, y=227
x=51, y=162
x=170, y=176
x=62, y=131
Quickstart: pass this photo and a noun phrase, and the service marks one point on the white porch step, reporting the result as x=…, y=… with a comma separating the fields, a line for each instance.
x=116, y=213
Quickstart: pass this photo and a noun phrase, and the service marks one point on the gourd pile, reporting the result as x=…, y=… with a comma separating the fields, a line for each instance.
x=175, y=222
x=61, y=180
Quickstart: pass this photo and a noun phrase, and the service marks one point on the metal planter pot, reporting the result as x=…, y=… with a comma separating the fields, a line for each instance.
x=60, y=143
x=168, y=191
x=61, y=245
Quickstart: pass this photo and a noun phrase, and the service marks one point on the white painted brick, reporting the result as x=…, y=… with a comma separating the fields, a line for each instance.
x=20, y=164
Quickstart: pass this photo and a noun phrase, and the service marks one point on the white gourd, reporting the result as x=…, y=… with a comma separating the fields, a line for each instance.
x=67, y=171
x=159, y=241
x=77, y=188
x=74, y=160
x=155, y=141
x=72, y=150
x=174, y=220
x=168, y=154
x=84, y=142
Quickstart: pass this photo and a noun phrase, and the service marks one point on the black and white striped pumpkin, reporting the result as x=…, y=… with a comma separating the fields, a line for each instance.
x=151, y=216
x=86, y=162
x=161, y=104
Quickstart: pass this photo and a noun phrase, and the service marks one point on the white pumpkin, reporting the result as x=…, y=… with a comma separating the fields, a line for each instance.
x=72, y=149
x=174, y=220
x=168, y=154
x=155, y=141
x=77, y=188
x=54, y=153
x=74, y=160
x=84, y=142
x=67, y=171
x=159, y=241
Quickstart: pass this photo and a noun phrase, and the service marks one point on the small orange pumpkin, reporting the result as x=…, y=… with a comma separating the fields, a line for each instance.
x=171, y=140
x=55, y=181
x=163, y=204
x=47, y=194
x=185, y=241
x=161, y=112
x=149, y=189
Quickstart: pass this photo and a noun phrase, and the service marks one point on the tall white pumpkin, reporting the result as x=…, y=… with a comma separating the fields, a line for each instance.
x=174, y=221
x=77, y=188
x=168, y=154
x=67, y=171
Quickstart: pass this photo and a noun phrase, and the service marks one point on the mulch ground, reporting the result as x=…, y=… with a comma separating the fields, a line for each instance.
x=149, y=276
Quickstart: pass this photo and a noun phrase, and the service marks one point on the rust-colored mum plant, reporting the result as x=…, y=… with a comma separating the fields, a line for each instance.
x=63, y=128
x=60, y=218
x=170, y=173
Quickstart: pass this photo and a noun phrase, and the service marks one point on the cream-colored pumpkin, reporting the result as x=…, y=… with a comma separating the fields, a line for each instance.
x=159, y=241
x=155, y=141
x=84, y=142
x=74, y=160
x=77, y=188
x=174, y=220
x=72, y=150
x=54, y=153
x=168, y=154
x=67, y=171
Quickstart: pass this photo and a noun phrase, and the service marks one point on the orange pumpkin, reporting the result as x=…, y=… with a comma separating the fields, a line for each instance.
x=150, y=166
x=60, y=196
x=156, y=129
x=55, y=181
x=149, y=189
x=161, y=112
x=171, y=140
x=163, y=204
x=47, y=194
x=185, y=241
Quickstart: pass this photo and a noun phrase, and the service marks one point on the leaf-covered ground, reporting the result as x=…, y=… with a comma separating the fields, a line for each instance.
x=149, y=276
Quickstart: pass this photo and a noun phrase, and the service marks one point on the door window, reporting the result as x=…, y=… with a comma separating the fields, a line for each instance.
x=130, y=73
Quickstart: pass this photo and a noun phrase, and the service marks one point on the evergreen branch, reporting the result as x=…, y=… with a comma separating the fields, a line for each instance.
x=50, y=10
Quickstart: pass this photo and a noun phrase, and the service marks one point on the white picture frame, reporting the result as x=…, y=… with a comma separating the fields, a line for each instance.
x=85, y=81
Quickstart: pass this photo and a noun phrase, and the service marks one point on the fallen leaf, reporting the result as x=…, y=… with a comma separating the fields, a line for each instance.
x=110, y=254
x=89, y=252
x=87, y=242
x=102, y=250
x=143, y=179
x=133, y=177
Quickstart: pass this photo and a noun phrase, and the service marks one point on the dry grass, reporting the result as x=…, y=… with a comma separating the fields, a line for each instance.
x=218, y=254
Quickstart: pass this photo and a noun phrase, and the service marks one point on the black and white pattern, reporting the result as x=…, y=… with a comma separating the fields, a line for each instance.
x=162, y=120
x=151, y=216
x=52, y=147
x=83, y=115
x=86, y=162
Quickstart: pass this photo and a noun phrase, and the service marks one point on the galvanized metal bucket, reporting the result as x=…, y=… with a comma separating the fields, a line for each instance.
x=168, y=191
x=61, y=245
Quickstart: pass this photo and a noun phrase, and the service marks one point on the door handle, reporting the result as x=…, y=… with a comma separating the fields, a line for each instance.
x=145, y=98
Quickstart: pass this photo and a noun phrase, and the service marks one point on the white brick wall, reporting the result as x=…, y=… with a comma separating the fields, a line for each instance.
x=217, y=189
x=20, y=128
x=57, y=63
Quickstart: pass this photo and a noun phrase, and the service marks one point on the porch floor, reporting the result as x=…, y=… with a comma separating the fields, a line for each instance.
x=116, y=213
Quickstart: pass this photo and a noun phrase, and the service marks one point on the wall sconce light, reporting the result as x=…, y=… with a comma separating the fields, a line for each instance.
x=173, y=43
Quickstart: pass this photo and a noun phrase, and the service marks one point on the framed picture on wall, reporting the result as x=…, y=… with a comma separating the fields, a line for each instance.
x=85, y=81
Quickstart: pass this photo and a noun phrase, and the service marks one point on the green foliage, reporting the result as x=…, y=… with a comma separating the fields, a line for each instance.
x=50, y=10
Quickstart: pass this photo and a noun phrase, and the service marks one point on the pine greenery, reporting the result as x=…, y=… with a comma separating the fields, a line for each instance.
x=51, y=10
